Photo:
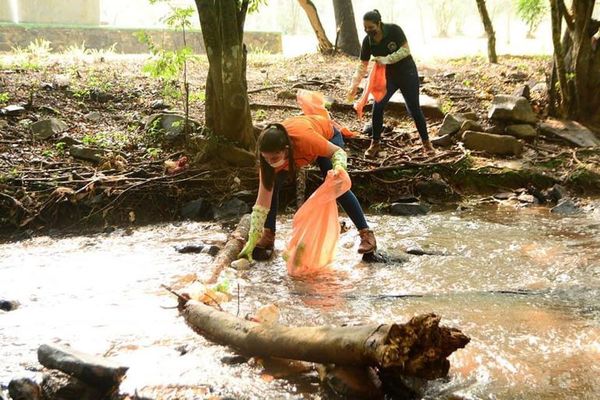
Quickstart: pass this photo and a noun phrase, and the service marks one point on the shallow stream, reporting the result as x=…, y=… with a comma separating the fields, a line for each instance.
x=523, y=284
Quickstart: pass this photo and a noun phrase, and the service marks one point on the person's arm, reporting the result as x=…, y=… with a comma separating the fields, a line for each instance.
x=359, y=73
x=339, y=158
x=257, y=219
x=393, y=58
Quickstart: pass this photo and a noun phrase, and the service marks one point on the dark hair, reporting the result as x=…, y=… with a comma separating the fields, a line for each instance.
x=372, y=16
x=272, y=139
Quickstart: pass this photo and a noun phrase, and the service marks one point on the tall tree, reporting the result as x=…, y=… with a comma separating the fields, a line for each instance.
x=576, y=63
x=227, y=111
x=489, y=30
x=309, y=8
x=346, y=36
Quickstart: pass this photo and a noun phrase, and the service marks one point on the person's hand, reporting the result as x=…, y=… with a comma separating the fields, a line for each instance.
x=257, y=221
x=351, y=94
x=379, y=60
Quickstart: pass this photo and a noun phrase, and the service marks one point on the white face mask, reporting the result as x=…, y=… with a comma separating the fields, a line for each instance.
x=279, y=163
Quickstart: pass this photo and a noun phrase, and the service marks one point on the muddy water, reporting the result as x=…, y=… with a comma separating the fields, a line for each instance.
x=525, y=285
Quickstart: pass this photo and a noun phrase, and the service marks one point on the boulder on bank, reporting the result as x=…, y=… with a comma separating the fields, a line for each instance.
x=493, y=144
x=512, y=108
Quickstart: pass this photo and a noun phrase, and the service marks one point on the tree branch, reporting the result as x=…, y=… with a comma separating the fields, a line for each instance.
x=566, y=15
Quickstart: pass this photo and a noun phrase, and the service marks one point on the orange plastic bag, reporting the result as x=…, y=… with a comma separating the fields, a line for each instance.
x=376, y=85
x=313, y=103
x=316, y=229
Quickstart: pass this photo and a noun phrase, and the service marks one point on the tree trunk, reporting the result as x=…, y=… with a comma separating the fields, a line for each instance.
x=578, y=66
x=418, y=348
x=325, y=46
x=227, y=112
x=347, y=36
x=489, y=31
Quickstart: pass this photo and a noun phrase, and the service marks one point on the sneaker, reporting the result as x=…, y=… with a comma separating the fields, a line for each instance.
x=368, y=244
x=373, y=149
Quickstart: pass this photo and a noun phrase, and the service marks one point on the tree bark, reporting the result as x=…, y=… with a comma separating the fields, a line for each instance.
x=346, y=27
x=227, y=113
x=489, y=30
x=418, y=348
x=578, y=66
x=325, y=46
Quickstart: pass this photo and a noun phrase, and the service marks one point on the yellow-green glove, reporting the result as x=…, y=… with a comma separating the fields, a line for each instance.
x=339, y=160
x=257, y=222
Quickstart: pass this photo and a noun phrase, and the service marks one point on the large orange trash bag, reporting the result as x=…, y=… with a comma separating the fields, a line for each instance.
x=313, y=103
x=376, y=85
x=316, y=228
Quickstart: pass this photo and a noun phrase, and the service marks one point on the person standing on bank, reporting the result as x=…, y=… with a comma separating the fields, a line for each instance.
x=282, y=149
x=388, y=45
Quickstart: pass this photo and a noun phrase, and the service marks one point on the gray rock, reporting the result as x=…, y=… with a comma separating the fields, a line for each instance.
x=3, y=124
x=503, y=195
x=159, y=105
x=469, y=125
x=68, y=141
x=522, y=131
x=450, y=126
x=493, y=144
x=46, y=128
x=169, y=126
x=9, y=305
x=24, y=389
x=527, y=198
x=233, y=208
x=409, y=209
x=93, y=116
x=570, y=131
x=512, y=108
x=433, y=190
x=540, y=88
x=430, y=106
x=556, y=193
x=523, y=91
x=566, y=207
x=443, y=141
x=12, y=109
x=92, y=154
x=94, y=370
x=197, y=210
x=49, y=110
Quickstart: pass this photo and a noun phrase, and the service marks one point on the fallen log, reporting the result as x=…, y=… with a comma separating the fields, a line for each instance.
x=230, y=251
x=418, y=348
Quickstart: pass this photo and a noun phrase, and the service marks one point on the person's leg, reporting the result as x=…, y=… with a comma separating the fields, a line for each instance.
x=409, y=87
x=348, y=200
x=377, y=119
x=379, y=108
x=270, y=222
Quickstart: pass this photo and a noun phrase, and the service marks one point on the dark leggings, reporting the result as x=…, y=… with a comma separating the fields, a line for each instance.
x=348, y=200
x=407, y=80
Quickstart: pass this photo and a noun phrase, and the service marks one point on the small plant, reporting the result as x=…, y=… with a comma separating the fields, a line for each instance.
x=48, y=153
x=260, y=115
x=4, y=97
x=532, y=13
x=169, y=65
x=153, y=152
x=447, y=106
x=60, y=148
